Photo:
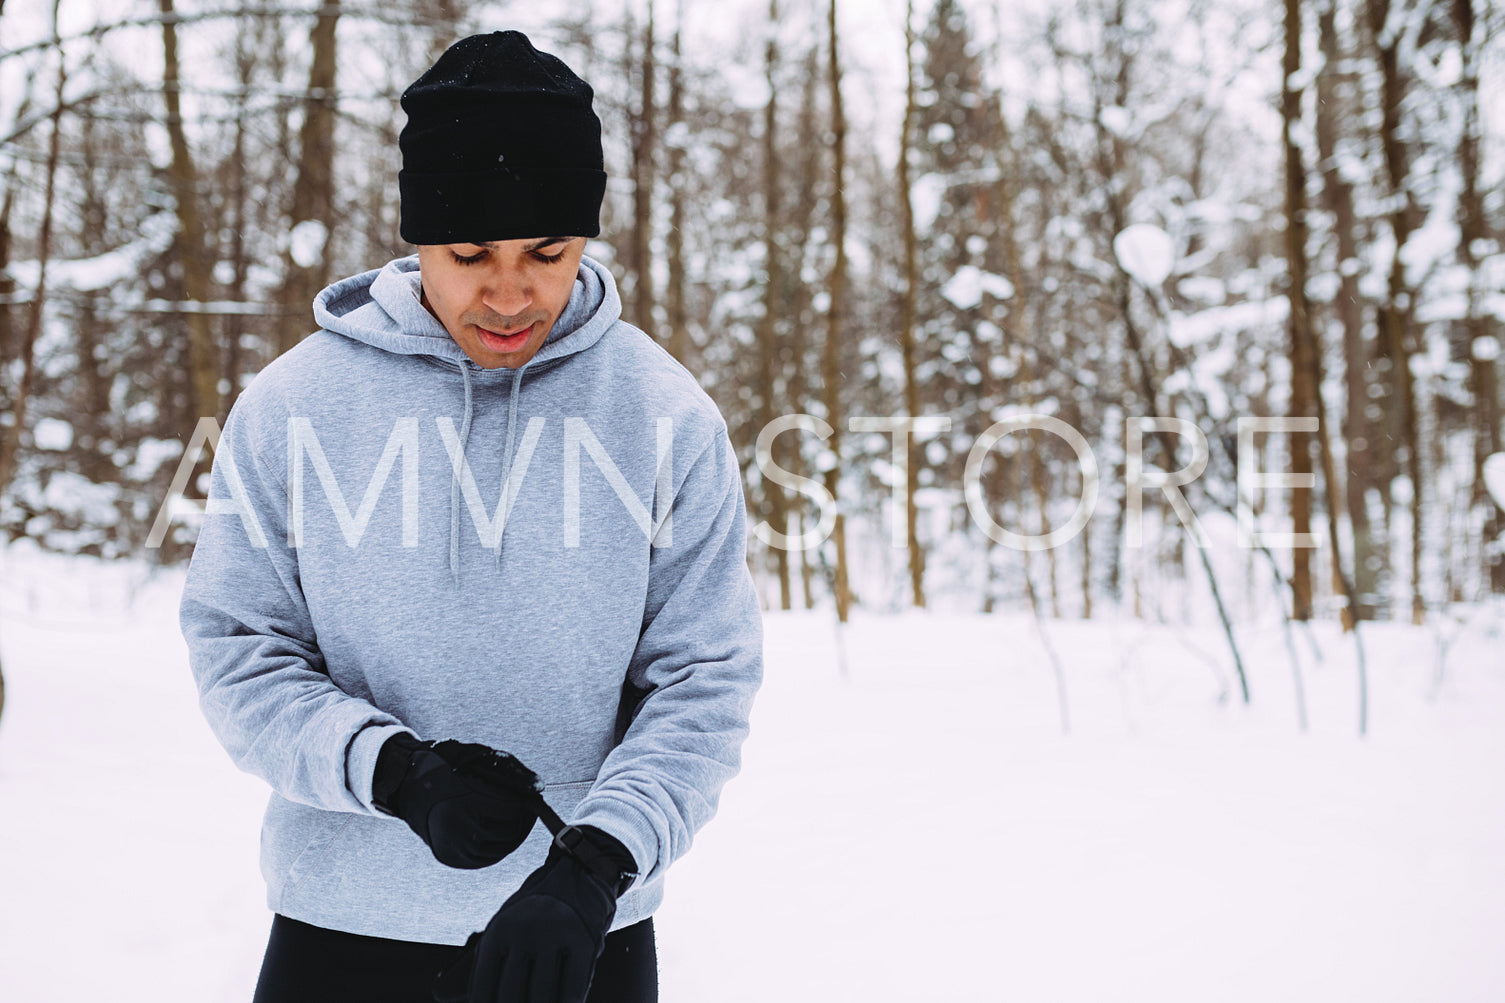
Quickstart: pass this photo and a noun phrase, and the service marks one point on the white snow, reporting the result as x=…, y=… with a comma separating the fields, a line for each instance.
x=306, y=242
x=1002, y=366
x=1323, y=287
x=1437, y=240
x=965, y=288
x=151, y=454
x=934, y=498
x=1118, y=121
x=1146, y=252
x=918, y=830
x=748, y=87
x=52, y=434
x=1194, y=328
x=925, y=199
x=677, y=136
x=104, y=270
x=1400, y=490
x=1442, y=75
x=1494, y=478
x=75, y=495
x=1207, y=288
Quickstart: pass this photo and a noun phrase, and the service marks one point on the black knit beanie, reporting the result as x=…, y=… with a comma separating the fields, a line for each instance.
x=500, y=144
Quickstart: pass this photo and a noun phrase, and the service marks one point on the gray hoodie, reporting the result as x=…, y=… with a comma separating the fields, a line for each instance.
x=360, y=571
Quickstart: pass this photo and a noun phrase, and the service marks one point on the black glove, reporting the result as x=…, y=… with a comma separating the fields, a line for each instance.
x=470, y=803
x=542, y=945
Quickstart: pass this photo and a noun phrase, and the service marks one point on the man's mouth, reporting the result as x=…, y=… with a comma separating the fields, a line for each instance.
x=505, y=341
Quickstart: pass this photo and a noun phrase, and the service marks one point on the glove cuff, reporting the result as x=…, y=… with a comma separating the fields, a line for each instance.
x=392, y=765
x=600, y=853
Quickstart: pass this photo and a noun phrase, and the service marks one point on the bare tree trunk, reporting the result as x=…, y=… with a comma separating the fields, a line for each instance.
x=1013, y=322
x=679, y=325
x=1396, y=314
x=1358, y=437
x=7, y=286
x=10, y=442
x=1039, y=484
x=907, y=322
x=245, y=61
x=773, y=294
x=831, y=374
x=643, y=140
x=1474, y=229
x=9, y=439
x=192, y=248
x=1087, y=572
x=313, y=192
x=1306, y=356
x=90, y=405
x=7, y=333
x=802, y=310
x=1302, y=400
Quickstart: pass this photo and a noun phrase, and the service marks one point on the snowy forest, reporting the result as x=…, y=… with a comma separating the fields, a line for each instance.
x=1116, y=389
x=1100, y=212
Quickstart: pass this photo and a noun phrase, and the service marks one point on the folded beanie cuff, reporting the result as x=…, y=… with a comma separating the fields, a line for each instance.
x=504, y=203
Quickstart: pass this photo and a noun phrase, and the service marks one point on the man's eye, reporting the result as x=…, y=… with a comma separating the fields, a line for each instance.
x=467, y=260
x=548, y=259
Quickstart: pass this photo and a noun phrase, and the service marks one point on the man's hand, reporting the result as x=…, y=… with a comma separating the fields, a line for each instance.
x=542, y=945
x=470, y=803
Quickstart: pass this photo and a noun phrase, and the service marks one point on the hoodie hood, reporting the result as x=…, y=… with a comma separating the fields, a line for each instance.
x=383, y=308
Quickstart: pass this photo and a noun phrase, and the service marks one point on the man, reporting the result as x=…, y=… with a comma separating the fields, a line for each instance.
x=424, y=670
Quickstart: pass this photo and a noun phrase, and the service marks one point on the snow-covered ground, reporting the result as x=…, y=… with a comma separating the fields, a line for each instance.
x=918, y=829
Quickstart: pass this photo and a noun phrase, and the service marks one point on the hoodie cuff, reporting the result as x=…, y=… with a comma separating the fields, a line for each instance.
x=360, y=761
x=620, y=819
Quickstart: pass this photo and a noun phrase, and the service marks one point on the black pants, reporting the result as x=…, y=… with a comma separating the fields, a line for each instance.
x=308, y=964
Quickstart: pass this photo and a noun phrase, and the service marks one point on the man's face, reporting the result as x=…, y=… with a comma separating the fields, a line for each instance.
x=499, y=300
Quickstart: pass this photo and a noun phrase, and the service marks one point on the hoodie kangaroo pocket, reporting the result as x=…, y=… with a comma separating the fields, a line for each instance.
x=565, y=798
x=374, y=876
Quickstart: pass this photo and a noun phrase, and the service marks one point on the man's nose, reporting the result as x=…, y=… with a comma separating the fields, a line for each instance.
x=507, y=296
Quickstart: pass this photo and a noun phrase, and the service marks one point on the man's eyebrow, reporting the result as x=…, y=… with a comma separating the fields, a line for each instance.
x=545, y=242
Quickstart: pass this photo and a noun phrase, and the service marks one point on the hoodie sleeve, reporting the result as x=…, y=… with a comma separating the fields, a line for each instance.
x=261, y=678
x=700, y=657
